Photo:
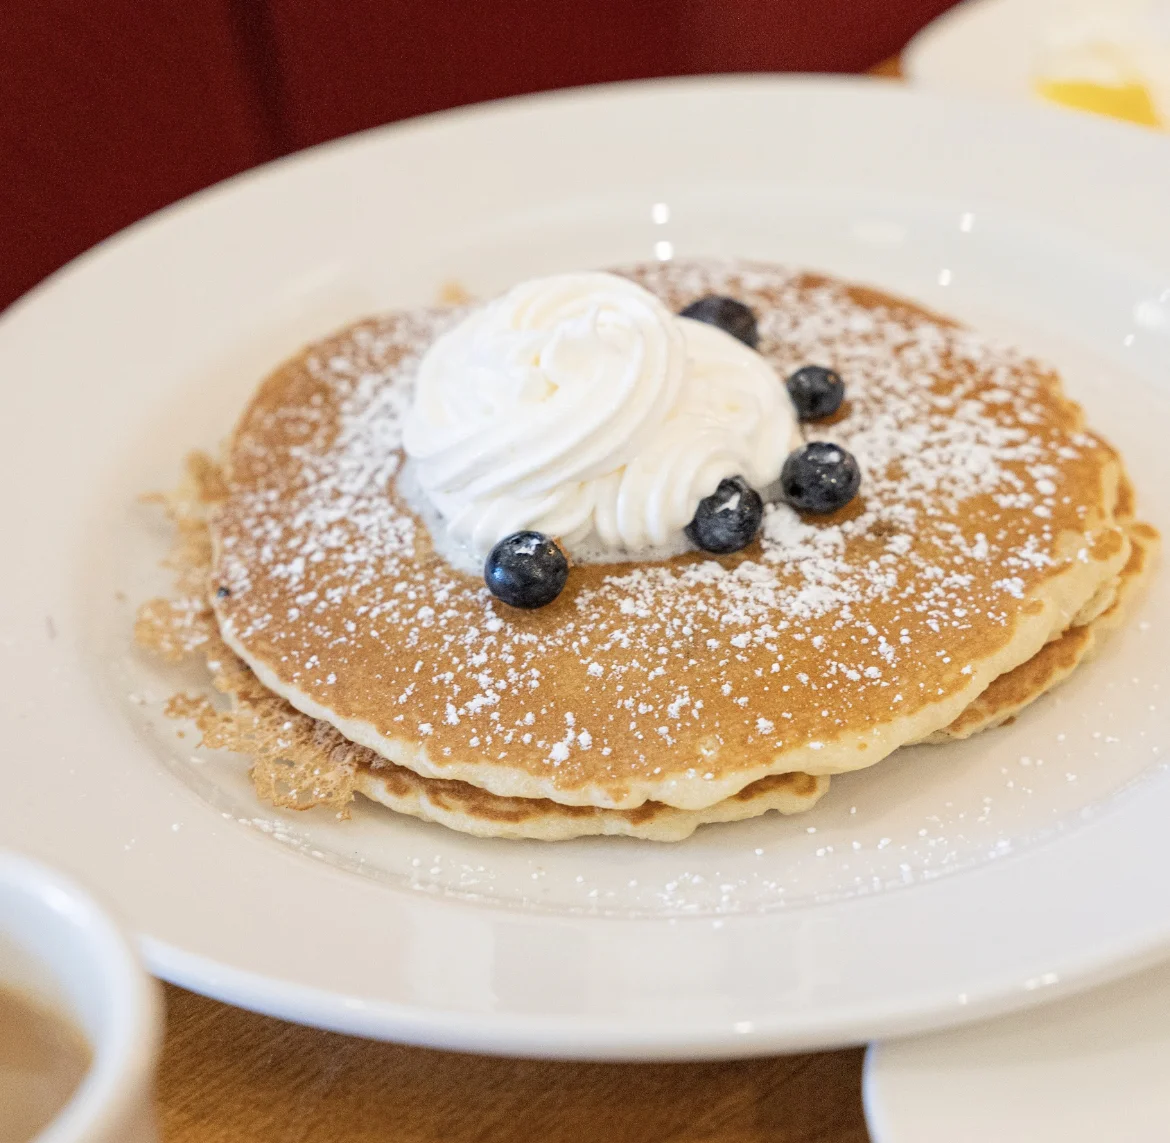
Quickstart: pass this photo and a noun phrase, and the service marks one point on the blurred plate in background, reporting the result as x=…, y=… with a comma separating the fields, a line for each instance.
x=1108, y=56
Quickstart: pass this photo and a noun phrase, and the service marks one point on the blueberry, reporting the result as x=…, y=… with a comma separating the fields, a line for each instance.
x=526, y=569
x=728, y=519
x=819, y=478
x=816, y=392
x=729, y=315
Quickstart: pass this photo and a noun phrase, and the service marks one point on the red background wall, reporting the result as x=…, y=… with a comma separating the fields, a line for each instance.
x=110, y=109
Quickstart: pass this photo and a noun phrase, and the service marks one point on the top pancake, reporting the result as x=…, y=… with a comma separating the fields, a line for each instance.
x=984, y=524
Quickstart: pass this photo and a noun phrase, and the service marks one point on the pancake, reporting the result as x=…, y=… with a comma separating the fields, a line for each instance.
x=1056, y=660
x=299, y=762
x=471, y=810
x=984, y=525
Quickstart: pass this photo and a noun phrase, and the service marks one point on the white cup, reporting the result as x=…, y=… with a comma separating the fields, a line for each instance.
x=57, y=946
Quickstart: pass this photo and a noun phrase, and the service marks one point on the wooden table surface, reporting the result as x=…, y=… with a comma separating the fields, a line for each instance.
x=228, y=1076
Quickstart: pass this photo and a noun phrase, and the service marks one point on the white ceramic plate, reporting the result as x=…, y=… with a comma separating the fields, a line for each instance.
x=941, y=885
x=1084, y=1070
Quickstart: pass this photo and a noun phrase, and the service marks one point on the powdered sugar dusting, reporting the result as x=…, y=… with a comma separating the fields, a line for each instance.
x=969, y=463
x=343, y=469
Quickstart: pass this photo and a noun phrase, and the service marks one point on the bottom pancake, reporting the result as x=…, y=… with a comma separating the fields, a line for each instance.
x=1056, y=661
x=469, y=809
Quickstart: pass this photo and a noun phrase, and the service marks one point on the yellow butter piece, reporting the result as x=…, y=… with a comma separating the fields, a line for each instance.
x=1129, y=101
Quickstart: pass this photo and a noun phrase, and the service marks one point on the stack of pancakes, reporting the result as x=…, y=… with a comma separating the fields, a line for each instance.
x=992, y=543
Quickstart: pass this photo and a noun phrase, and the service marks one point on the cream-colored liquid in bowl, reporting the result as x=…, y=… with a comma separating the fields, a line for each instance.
x=42, y=1061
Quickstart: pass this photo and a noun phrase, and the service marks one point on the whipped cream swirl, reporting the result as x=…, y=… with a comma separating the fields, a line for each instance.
x=579, y=406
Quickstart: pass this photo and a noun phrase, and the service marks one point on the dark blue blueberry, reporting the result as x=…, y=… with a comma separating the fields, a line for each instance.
x=819, y=478
x=816, y=392
x=526, y=569
x=728, y=519
x=729, y=315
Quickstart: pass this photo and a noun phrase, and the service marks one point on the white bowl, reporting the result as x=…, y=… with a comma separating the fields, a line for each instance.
x=57, y=946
